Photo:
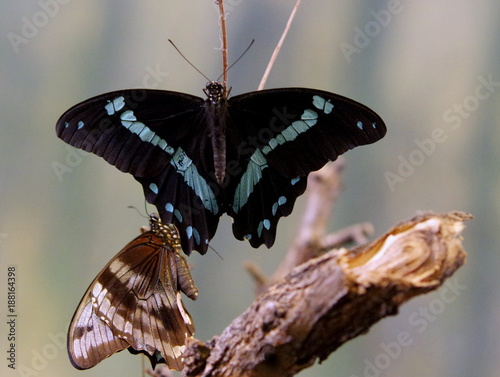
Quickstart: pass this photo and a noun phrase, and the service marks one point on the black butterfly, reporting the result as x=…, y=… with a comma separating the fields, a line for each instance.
x=135, y=303
x=247, y=156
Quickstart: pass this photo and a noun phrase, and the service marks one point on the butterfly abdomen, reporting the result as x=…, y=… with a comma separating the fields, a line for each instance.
x=216, y=116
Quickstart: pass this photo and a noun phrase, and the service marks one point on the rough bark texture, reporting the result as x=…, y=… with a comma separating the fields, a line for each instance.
x=327, y=300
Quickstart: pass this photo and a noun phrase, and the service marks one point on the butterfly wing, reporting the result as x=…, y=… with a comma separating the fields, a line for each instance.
x=298, y=130
x=285, y=134
x=133, y=303
x=159, y=137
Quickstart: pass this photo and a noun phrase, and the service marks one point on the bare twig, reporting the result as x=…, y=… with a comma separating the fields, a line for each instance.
x=223, y=31
x=278, y=46
x=353, y=233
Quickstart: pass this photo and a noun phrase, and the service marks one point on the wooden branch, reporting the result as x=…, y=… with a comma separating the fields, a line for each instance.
x=278, y=46
x=330, y=299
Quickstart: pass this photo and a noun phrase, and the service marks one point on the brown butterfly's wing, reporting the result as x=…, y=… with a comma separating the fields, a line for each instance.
x=133, y=304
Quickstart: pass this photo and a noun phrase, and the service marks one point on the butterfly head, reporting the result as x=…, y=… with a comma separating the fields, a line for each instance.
x=168, y=232
x=216, y=92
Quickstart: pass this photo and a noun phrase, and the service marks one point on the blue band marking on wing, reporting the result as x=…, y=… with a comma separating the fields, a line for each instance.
x=129, y=121
x=258, y=162
x=192, y=177
x=249, y=179
x=80, y=124
x=115, y=105
x=183, y=164
x=308, y=119
x=294, y=181
x=374, y=125
x=360, y=125
x=147, y=135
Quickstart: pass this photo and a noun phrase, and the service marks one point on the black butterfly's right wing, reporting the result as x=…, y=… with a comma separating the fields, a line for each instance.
x=160, y=137
x=133, y=303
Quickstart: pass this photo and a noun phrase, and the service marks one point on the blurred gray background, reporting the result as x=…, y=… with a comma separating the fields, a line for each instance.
x=429, y=68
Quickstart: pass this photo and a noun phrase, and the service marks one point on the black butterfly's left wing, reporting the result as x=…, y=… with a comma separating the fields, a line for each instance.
x=298, y=130
x=285, y=134
x=133, y=303
x=160, y=137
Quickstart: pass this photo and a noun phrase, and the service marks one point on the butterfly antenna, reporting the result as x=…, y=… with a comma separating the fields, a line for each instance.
x=186, y=59
x=220, y=256
x=139, y=212
x=237, y=60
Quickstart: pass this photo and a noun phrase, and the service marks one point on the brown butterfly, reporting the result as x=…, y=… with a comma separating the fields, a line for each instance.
x=135, y=303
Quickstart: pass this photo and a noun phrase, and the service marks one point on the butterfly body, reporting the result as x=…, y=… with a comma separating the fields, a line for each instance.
x=134, y=303
x=247, y=155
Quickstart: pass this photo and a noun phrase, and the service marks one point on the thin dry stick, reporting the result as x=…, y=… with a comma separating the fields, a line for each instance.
x=278, y=46
x=223, y=31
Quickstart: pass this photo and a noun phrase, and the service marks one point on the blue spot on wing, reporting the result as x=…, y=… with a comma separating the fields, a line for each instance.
x=192, y=232
x=263, y=224
x=280, y=202
x=153, y=187
x=178, y=215
x=80, y=124
x=274, y=209
x=196, y=236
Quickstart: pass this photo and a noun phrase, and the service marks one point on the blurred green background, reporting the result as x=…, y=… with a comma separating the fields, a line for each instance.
x=428, y=68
